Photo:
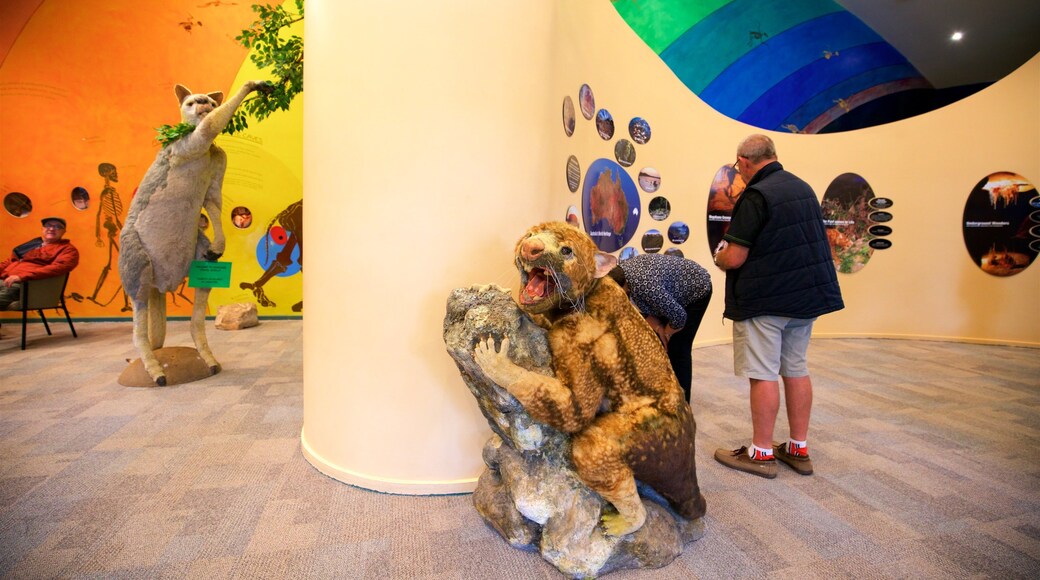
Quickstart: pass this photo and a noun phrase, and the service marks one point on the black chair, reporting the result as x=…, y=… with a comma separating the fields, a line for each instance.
x=38, y=295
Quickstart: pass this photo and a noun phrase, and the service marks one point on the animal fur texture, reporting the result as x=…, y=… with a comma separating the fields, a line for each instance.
x=160, y=238
x=613, y=387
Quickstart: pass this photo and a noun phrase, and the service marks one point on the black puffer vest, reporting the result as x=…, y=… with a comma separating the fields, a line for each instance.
x=788, y=271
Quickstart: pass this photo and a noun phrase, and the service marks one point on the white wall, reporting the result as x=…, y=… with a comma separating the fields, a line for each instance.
x=433, y=140
x=926, y=285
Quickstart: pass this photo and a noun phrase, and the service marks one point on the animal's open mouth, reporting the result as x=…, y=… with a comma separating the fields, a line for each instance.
x=540, y=285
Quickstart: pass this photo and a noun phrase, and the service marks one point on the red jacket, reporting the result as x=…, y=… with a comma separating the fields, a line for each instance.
x=43, y=262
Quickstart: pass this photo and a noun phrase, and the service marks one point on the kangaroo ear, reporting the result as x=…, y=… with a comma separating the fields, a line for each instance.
x=604, y=264
x=182, y=93
x=217, y=96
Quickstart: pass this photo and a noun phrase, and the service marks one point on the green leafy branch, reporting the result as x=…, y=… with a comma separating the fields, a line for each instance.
x=170, y=133
x=272, y=47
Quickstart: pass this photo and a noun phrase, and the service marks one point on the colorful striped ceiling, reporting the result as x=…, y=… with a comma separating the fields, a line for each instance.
x=783, y=65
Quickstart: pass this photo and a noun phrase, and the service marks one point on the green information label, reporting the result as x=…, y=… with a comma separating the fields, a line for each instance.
x=209, y=274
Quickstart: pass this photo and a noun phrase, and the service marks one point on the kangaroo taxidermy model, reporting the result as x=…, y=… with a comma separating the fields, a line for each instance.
x=160, y=238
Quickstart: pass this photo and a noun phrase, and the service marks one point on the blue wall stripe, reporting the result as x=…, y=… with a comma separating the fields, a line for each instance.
x=783, y=98
x=825, y=100
x=713, y=44
x=746, y=80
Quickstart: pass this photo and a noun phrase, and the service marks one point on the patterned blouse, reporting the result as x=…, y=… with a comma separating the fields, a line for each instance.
x=663, y=285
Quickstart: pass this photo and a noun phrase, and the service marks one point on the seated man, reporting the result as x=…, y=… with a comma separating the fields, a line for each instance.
x=53, y=257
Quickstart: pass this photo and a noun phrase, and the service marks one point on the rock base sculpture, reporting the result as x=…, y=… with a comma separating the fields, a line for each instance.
x=182, y=364
x=530, y=493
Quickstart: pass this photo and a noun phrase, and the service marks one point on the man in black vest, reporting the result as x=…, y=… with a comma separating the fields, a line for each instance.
x=779, y=278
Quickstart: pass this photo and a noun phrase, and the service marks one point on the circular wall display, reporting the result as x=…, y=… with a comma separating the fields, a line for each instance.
x=725, y=190
x=639, y=129
x=628, y=252
x=997, y=224
x=605, y=124
x=674, y=252
x=18, y=204
x=649, y=179
x=846, y=215
x=652, y=241
x=572, y=216
x=568, y=116
x=610, y=205
x=660, y=208
x=80, y=198
x=678, y=232
x=242, y=218
x=586, y=101
x=573, y=174
x=625, y=152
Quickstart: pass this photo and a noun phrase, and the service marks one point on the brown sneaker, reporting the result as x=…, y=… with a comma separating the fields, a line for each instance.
x=738, y=459
x=801, y=464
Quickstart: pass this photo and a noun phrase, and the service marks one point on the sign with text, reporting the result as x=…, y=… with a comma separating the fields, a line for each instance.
x=209, y=274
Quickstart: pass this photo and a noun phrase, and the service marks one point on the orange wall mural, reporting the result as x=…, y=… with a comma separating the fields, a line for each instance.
x=83, y=86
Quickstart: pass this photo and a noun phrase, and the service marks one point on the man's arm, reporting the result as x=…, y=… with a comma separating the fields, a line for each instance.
x=731, y=256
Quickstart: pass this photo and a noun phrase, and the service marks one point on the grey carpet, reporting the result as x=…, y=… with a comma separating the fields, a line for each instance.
x=925, y=455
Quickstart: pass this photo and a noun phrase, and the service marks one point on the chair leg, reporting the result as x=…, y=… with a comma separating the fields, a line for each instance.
x=44, y=319
x=25, y=321
x=68, y=318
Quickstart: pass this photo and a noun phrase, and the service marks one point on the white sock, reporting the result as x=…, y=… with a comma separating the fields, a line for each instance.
x=756, y=451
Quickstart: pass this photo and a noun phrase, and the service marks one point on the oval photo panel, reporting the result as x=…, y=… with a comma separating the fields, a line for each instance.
x=652, y=241
x=880, y=216
x=660, y=208
x=881, y=243
x=881, y=203
x=568, y=116
x=649, y=179
x=610, y=205
x=639, y=129
x=625, y=152
x=996, y=213
x=605, y=124
x=573, y=174
x=678, y=232
x=879, y=230
x=846, y=215
x=572, y=216
x=586, y=101
x=725, y=190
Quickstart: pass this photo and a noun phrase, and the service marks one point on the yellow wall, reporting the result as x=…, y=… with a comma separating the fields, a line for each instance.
x=433, y=140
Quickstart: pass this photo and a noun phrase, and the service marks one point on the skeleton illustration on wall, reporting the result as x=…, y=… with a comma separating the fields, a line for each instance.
x=110, y=210
x=289, y=235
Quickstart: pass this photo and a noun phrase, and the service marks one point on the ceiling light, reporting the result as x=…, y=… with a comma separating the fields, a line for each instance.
x=957, y=35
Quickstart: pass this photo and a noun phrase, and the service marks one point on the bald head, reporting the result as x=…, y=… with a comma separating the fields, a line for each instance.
x=757, y=148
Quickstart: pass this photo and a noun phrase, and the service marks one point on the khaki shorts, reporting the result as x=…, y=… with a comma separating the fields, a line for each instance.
x=768, y=347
